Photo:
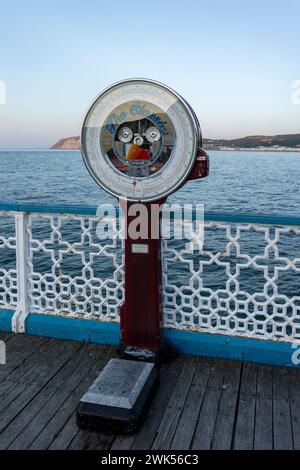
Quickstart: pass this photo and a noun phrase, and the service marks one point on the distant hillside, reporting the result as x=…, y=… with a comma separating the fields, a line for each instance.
x=255, y=142
x=260, y=142
x=69, y=143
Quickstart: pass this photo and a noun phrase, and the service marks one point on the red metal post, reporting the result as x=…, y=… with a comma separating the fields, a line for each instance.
x=141, y=314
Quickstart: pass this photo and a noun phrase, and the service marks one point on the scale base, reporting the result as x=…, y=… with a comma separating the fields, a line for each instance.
x=119, y=398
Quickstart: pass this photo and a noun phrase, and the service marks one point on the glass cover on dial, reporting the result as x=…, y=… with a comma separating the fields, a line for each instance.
x=139, y=140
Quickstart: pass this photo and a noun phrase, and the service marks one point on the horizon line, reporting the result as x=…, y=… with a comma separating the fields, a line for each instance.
x=204, y=138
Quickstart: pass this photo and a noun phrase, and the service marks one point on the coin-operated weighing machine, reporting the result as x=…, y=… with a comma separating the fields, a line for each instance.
x=140, y=141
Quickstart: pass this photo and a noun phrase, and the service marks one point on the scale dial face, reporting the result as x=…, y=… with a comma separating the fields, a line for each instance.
x=139, y=140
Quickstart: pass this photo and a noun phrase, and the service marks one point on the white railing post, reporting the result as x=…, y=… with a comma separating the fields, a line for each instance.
x=22, y=253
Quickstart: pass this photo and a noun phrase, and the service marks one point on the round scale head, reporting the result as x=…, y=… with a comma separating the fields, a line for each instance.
x=139, y=140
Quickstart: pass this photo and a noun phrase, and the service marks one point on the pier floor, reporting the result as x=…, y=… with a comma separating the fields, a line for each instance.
x=201, y=403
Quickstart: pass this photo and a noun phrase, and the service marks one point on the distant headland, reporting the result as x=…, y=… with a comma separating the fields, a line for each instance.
x=69, y=143
x=280, y=143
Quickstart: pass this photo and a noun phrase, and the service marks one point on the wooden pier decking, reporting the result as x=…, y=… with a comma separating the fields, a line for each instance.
x=201, y=403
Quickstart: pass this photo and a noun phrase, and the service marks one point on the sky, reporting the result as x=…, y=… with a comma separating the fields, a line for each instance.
x=234, y=61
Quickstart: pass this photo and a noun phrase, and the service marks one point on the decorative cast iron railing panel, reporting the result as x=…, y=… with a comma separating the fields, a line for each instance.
x=8, y=272
x=72, y=272
x=234, y=286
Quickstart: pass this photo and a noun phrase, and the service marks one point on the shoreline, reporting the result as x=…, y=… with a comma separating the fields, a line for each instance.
x=214, y=149
x=252, y=149
x=221, y=149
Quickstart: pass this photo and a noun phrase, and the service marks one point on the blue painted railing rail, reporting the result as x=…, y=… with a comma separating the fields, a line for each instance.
x=269, y=219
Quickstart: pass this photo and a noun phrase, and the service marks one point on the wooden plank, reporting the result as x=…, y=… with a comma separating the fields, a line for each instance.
x=263, y=435
x=169, y=374
x=294, y=392
x=175, y=406
x=70, y=430
x=63, y=413
x=64, y=438
x=13, y=390
x=39, y=400
x=25, y=369
x=244, y=432
x=48, y=370
x=4, y=336
x=19, y=346
x=189, y=417
x=144, y=438
x=222, y=439
x=283, y=437
x=80, y=364
x=50, y=384
x=18, y=349
x=85, y=440
x=123, y=442
x=206, y=423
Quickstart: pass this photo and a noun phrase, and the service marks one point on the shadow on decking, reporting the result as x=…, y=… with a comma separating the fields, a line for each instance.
x=201, y=403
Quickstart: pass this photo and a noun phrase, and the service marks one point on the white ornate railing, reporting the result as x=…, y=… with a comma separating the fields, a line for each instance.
x=8, y=271
x=240, y=284
x=245, y=281
x=85, y=278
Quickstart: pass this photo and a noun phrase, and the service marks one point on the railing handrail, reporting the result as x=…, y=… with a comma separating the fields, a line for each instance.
x=72, y=209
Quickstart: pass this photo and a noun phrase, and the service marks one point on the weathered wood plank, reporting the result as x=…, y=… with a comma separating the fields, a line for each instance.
x=74, y=374
x=41, y=388
x=4, y=336
x=123, y=442
x=86, y=440
x=283, y=437
x=66, y=435
x=26, y=369
x=13, y=391
x=48, y=387
x=175, y=406
x=294, y=392
x=48, y=370
x=18, y=349
x=188, y=420
x=222, y=439
x=63, y=413
x=263, y=435
x=168, y=377
x=244, y=432
x=206, y=423
x=144, y=438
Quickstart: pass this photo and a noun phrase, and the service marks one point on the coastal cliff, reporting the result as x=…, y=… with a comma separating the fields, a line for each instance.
x=69, y=143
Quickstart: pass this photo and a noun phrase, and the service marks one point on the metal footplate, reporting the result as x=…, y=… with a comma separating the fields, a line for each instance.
x=119, y=397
